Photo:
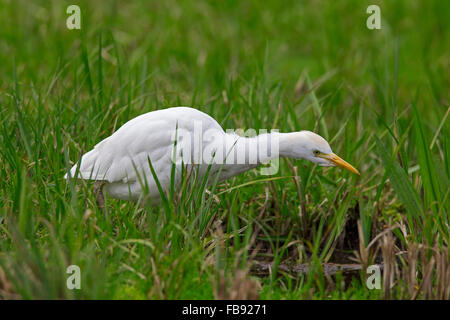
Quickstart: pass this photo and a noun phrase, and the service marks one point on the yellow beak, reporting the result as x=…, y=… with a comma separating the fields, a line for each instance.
x=339, y=162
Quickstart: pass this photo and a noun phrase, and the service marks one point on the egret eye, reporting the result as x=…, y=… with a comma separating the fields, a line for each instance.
x=316, y=152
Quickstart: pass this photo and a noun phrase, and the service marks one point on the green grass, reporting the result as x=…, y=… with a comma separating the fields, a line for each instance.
x=381, y=97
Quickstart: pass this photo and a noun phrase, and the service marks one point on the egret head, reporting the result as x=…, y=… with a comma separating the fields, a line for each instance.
x=316, y=149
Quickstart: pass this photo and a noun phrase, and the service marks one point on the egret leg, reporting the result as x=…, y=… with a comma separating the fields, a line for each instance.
x=98, y=189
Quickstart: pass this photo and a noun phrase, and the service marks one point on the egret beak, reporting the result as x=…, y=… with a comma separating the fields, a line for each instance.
x=339, y=162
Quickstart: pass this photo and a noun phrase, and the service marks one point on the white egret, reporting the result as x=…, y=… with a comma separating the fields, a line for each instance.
x=118, y=161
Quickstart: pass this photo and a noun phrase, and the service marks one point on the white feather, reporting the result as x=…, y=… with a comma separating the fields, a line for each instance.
x=121, y=157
